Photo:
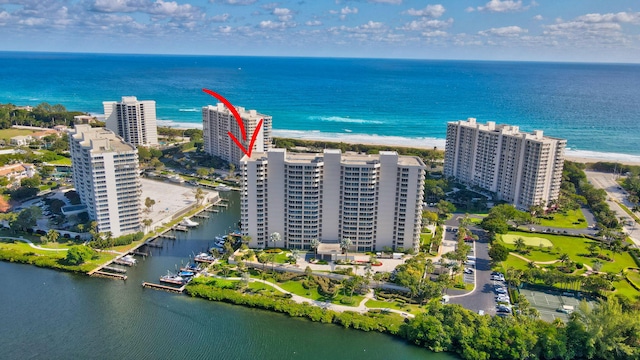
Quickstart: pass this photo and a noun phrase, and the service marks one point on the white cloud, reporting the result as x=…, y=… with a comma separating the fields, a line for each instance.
x=268, y=24
x=503, y=6
x=435, y=33
x=283, y=14
x=621, y=17
x=221, y=18
x=313, y=23
x=426, y=24
x=394, y=2
x=538, y=17
x=117, y=5
x=507, y=31
x=433, y=11
x=234, y=2
x=347, y=10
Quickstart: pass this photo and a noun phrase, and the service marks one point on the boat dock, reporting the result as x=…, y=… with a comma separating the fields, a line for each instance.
x=115, y=269
x=212, y=210
x=221, y=204
x=153, y=245
x=139, y=253
x=180, y=228
x=163, y=287
x=122, y=262
x=108, y=275
x=201, y=216
x=167, y=236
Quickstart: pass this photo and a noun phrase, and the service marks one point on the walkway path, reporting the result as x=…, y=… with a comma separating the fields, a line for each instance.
x=537, y=263
x=31, y=244
x=361, y=308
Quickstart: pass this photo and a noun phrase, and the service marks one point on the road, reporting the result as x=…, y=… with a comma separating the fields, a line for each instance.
x=615, y=194
x=483, y=296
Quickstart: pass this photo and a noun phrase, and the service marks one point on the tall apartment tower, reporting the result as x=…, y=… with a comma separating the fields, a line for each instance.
x=524, y=169
x=218, y=121
x=106, y=176
x=132, y=119
x=374, y=200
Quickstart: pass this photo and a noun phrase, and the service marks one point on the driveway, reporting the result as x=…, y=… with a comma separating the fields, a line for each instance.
x=483, y=295
x=615, y=194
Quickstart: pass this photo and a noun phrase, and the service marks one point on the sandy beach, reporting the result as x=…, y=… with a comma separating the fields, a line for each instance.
x=582, y=156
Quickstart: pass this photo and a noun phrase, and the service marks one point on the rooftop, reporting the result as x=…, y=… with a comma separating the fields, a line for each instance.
x=351, y=158
x=100, y=140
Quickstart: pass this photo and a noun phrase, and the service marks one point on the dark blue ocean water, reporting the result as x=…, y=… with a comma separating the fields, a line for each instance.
x=595, y=106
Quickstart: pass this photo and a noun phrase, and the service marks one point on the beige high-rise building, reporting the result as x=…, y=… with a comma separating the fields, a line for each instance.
x=106, y=176
x=132, y=119
x=218, y=121
x=374, y=200
x=524, y=169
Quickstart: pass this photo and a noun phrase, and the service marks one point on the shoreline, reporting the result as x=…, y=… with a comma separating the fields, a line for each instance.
x=581, y=156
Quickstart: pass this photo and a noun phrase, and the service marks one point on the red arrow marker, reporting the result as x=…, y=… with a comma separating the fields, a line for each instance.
x=240, y=124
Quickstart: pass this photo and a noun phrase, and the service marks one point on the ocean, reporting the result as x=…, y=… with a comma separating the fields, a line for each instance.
x=403, y=102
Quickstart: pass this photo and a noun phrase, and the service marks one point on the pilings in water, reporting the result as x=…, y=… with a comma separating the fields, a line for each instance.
x=163, y=287
x=108, y=275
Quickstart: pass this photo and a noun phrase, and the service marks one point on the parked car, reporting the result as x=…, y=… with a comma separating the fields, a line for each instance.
x=501, y=290
x=497, y=278
x=468, y=271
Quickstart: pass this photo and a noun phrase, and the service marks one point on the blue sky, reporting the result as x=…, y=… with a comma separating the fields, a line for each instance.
x=541, y=30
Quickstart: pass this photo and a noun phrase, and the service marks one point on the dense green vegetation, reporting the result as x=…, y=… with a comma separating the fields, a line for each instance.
x=43, y=115
x=611, y=330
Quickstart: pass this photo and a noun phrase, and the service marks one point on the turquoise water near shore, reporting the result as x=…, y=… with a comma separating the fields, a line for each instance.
x=408, y=102
x=48, y=314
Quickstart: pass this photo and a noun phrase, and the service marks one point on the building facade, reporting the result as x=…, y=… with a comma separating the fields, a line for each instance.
x=218, y=121
x=106, y=176
x=524, y=169
x=374, y=200
x=132, y=119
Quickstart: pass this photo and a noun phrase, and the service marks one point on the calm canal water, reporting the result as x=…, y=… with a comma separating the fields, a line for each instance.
x=45, y=314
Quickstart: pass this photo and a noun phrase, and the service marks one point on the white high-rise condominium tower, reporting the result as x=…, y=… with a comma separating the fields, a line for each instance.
x=132, y=119
x=105, y=174
x=374, y=200
x=524, y=169
x=218, y=121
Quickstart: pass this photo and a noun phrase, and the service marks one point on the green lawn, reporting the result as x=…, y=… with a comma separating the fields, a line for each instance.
x=576, y=248
x=514, y=262
x=7, y=134
x=63, y=161
x=634, y=276
x=425, y=238
x=528, y=240
x=379, y=304
x=52, y=259
x=568, y=221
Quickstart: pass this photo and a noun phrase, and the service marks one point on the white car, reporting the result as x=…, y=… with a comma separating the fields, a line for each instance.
x=497, y=278
x=468, y=271
x=501, y=290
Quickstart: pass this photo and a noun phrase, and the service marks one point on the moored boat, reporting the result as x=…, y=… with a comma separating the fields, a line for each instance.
x=188, y=223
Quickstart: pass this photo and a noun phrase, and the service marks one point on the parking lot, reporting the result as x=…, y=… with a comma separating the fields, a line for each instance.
x=548, y=304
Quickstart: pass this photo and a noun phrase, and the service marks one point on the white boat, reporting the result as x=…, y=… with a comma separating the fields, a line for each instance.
x=188, y=223
x=223, y=188
x=129, y=259
x=176, y=179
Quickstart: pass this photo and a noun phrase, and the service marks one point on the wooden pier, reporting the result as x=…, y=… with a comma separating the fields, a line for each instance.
x=122, y=262
x=201, y=216
x=153, y=244
x=212, y=210
x=221, y=204
x=167, y=236
x=180, y=228
x=140, y=253
x=109, y=275
x=114, y=269
x=163, y=287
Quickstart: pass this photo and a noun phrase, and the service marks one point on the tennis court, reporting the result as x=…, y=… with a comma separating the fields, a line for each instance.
x=548, y=303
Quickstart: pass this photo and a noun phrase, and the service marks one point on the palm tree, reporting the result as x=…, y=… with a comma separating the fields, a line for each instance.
x=199, y=195
x=53, y=235
x=147, y=222
x=520, y=244
x=565, y=259
x=597, y=265
x=345, y=243
x=295, y=253
x=274, y=238
x=314, y=245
